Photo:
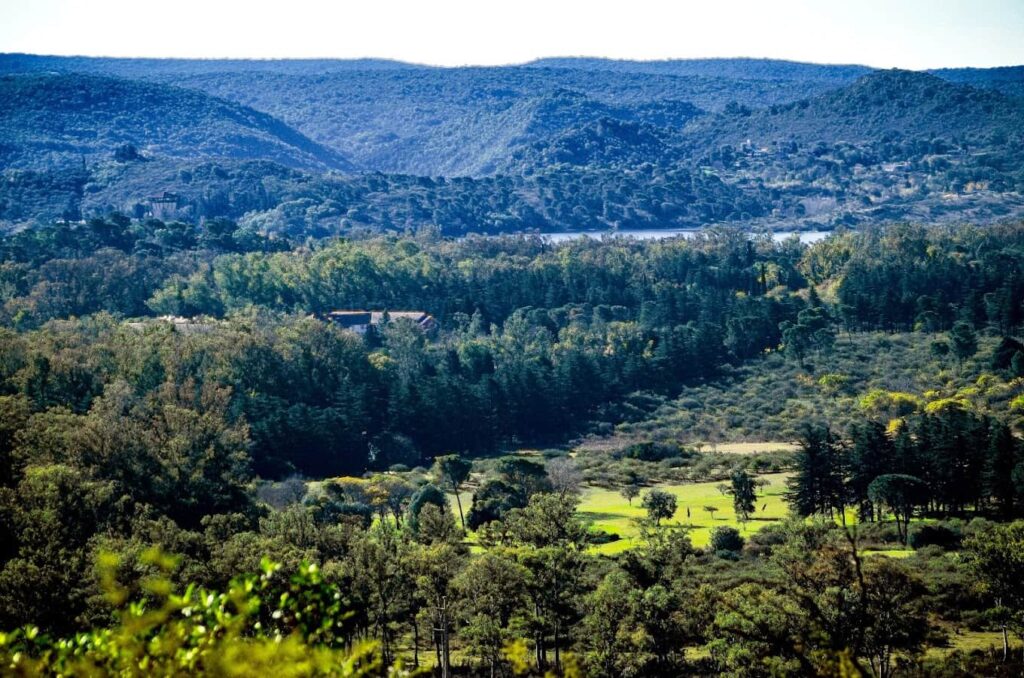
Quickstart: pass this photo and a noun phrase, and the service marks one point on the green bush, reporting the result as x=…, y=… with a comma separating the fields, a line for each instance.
x=726, y=539
x=935, y=535
x=272, y=624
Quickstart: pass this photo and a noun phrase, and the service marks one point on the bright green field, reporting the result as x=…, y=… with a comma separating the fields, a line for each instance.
x=608, y=511
x=891, y=553
x=605, y=510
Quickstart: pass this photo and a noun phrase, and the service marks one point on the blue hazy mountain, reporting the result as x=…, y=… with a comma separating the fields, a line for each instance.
x=53, y=120
x=555, y=144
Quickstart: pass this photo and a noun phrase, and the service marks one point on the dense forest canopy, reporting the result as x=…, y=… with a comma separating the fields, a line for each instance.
x=153, y=374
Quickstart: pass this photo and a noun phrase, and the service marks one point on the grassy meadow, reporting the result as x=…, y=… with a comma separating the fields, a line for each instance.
x=608, y=511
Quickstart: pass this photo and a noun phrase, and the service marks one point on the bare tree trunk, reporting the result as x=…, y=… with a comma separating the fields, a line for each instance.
x=558, y=653
x=446, y=666
x=539, y=643
x=437, y=645
x=415, y=642
x=447, y=669
x=458, y=501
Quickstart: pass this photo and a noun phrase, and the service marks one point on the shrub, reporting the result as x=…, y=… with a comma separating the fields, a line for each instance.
x=879, y=534
x=935, y=535
x=601, y=537
x=653, y=451
x=726, y=539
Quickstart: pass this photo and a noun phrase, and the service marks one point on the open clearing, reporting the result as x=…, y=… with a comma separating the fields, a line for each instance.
x=608, y=511
x=750, y=448
x=970, y=641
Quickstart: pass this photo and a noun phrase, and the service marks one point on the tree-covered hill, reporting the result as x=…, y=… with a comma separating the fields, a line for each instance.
x=274, y=199
x=605, y=142
x=553, y=145
x=500, y=140
x=408, y=120
x=739, y=68
x=50, y=120
x=15, y=62
x=395, y=117
x=883, y=105
x=1006, y=79
x=894, y=145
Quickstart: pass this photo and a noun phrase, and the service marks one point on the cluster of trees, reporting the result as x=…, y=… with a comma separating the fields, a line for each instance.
x=113, y=264
x=947, y=462
x=909, y=278
x=534, y=339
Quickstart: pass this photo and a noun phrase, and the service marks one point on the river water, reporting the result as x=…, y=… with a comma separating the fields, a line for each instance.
x=806, y=237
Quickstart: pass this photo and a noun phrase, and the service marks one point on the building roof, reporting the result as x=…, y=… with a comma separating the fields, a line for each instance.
x=350, y=318
x=358, y=318
x=415, y=316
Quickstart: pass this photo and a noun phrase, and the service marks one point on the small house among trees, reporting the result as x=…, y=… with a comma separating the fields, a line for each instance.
x=164, y=207
x=361, y=321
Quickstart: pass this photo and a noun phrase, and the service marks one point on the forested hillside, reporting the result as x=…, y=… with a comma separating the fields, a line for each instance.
x=52, y=121
x=549, y=146
x=883, y=106
x=272, y=199
x=537, y=340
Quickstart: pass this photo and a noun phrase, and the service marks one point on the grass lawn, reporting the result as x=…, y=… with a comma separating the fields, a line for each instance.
x=969, y=641
x=608, y=511
x=891, y=553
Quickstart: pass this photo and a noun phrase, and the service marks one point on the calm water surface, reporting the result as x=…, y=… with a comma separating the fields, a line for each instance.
x=806, y=237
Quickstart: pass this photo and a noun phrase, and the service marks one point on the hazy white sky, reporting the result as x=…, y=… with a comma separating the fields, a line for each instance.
x=883, y=33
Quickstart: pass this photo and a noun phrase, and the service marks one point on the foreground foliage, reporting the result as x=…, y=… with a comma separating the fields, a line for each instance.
x=272, y=624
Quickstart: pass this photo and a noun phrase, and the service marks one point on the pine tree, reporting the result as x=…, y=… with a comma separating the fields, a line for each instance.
x=963, y=341
x=744, y=495
x=818, y=486
x=873, y=455
x=1001, y=461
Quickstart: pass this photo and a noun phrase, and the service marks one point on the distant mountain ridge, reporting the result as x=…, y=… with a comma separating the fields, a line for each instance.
x=738, y=68
x=140, y=67
x=879, y=105
x=396, y=117
x=555, y=144
x=50, y=120
x=743, y=68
